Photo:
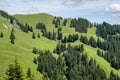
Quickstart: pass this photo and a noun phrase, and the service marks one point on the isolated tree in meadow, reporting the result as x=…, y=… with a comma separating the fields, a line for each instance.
x=12, y=37
x=1, y=34
x=33, y=36
x=38, y=35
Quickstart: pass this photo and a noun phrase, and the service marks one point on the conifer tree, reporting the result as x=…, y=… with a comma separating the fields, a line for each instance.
x=38, y=35
x=33, y=36
x=15, y=72
x=12, y=37
x=29, y=74
x=1, y=35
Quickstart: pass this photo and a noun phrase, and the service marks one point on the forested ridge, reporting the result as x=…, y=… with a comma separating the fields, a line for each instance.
x=68, y=59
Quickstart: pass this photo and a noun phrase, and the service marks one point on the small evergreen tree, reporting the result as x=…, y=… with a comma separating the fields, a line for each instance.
x=35, y=60
x=29, y=74
x=38, y=35
x=33, y=36
x=12, y=37
x=35, y=50
x=1, y=35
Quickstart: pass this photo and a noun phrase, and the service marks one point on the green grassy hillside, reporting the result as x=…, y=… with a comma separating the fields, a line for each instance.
x=24, y=43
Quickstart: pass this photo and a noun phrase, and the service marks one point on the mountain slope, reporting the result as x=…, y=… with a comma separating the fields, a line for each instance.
x=24, y=43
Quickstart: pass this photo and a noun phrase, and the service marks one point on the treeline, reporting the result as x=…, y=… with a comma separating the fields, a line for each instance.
x=80, y=25
x=71, y=65
x=14, y=21
x=113, y=54
x=111, y=45
x=91, y=41
x=57, y=22
x=106, y=29
x=50, y=35
x=45, y=33
x=70, y=38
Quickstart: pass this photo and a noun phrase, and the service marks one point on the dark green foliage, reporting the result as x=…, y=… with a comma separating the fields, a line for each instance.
x=64, y=22
x=92, y=42
x=15, y=72
x=60, y=36
x=64, y=40
x=14, y=21
x=73, y=38
x=33, y=36
x=79, y=68
x=12, y=37
x=50, y=35
x=60, y=48
x=50, y=67
x=111, y=45
x=38, y=35
x=35, y=60
x=26, y=28
x=4, y=14
x=41, y=26
x=99, y=53
x=114, y=76
x=80, y=24
x=1, y=35
x=59, y=29
x=56, y=21
x=35, y=50
x=84, y=39
x=72, y=64
x=105, y=29
x=29, y=74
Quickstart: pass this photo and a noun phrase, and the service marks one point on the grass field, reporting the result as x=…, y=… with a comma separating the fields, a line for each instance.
x=24, y=43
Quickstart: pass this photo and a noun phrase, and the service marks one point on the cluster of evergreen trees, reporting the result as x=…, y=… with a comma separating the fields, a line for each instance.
x=70, y=38
x=80, y=25
x=90, y=41
x=105, y=29
x=64, y=22
x=45, y=33
x=113, y=50
x=14, y=21
x=34, y=36
x=111, y=45
x=56, y=21
x=71, y=65
x=15, y=72
x=26, y=28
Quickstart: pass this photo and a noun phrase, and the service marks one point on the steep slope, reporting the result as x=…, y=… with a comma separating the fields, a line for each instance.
x=22, y=48
x=66, y=30
x=24, y=43
x=33, y=19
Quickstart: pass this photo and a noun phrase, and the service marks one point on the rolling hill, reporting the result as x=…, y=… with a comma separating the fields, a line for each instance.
x=22, y=49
